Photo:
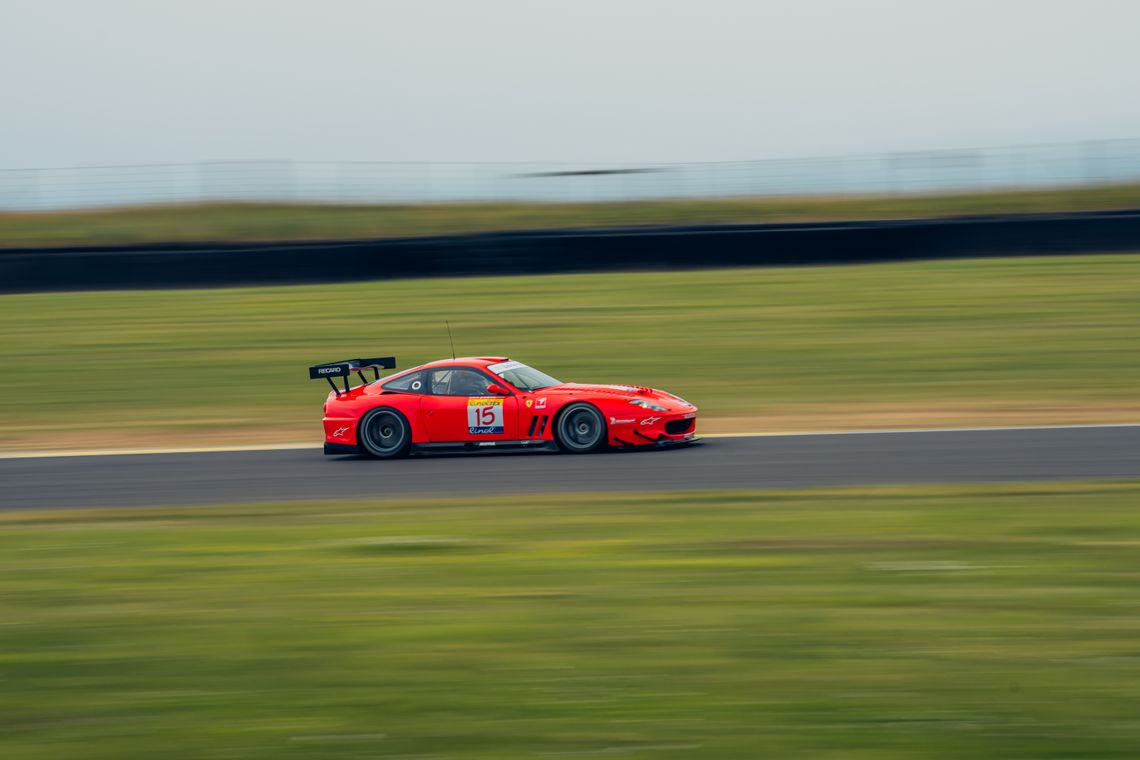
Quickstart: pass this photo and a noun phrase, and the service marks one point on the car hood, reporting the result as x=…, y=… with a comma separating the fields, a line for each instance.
x=619, y=391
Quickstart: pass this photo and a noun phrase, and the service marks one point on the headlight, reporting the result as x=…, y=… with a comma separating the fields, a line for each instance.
x=648, y=405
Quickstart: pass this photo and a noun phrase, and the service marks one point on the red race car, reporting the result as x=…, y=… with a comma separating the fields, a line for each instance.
x=490, y=402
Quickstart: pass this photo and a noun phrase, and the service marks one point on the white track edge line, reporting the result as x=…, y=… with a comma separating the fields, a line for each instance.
x=47, y=454
x=891, y=431
x=138, y=452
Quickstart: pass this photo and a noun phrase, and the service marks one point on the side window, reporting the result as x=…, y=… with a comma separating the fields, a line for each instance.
x=457, y=381
x=413, y=383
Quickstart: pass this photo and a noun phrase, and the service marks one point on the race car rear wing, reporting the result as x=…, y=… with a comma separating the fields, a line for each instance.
x=346, y=367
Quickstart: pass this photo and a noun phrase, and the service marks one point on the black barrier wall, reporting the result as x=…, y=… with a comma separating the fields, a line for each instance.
x=177, y=266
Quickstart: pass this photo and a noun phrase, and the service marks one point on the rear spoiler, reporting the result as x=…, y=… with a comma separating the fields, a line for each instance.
x=346, y=367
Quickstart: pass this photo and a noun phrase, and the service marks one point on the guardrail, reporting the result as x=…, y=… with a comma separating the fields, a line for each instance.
x=630, y=248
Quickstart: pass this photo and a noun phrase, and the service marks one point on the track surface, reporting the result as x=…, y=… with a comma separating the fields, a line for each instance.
x=748, y=462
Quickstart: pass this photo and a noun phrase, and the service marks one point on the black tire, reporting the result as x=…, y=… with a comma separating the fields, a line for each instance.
x=384, y=434
x=581, y=429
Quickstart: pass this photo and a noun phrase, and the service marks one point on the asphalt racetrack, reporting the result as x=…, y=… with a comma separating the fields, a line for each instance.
x=784, y=461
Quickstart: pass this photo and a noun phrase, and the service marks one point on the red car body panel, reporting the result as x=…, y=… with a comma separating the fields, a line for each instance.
x=518, y=416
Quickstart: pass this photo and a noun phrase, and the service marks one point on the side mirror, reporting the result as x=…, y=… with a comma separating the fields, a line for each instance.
x=497, y=390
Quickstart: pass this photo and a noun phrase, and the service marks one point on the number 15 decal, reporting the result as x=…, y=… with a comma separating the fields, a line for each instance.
x=485, y=416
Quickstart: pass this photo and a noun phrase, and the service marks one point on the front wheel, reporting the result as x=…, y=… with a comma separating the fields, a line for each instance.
x=581, y=429
x=384, y=434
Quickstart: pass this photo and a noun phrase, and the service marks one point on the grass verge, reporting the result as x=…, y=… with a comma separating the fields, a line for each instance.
x=235, y=222
x=1002, y=341
x=996, y=621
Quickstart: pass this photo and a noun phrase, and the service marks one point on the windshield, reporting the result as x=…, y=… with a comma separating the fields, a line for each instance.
x=523, y=377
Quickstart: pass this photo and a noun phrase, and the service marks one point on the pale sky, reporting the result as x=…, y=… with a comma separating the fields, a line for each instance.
x=93, y=82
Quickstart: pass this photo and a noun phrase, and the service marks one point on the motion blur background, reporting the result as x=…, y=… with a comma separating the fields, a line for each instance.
x=1093, y=162
x=132, y=102
x=981, y=162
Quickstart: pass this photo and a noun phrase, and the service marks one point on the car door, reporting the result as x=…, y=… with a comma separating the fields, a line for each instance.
x=460, y=409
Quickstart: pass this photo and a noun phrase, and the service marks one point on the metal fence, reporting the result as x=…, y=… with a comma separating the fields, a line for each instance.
x=1085, y=163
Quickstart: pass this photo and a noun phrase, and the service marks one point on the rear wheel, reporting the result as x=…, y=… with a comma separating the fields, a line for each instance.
x=581, y=429
x=384, y=434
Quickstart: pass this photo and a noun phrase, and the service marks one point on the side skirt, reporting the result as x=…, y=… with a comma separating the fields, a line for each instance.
x=530, y=445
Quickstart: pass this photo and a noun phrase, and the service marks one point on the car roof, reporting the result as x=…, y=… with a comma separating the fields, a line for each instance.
x=467, y=361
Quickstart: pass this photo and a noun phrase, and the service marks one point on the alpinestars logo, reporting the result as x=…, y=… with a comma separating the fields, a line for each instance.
x=339, y=432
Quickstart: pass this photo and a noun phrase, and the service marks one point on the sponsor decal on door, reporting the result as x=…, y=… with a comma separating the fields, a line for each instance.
x=485, y=416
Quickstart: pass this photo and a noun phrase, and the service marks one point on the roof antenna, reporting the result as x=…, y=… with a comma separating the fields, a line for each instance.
x=449, y=339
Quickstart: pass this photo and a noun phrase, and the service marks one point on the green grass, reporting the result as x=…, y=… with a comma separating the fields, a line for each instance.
x=1003, y=340
x=997, y=621
x=246, y=222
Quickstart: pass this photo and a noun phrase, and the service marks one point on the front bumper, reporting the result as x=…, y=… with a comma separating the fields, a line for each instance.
x=671, y=429
x=685, y=440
